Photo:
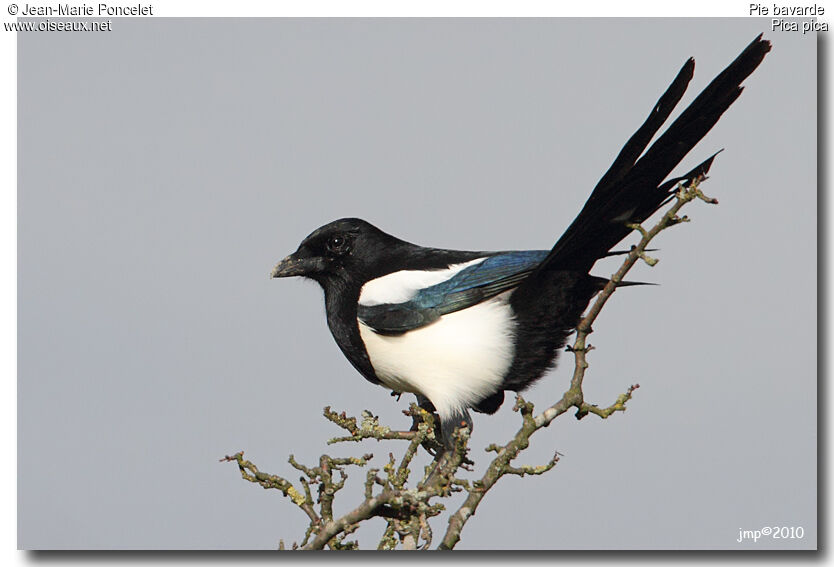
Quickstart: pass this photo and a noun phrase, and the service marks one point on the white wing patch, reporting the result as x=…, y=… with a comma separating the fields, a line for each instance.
x=401, y=286
x=455, y=362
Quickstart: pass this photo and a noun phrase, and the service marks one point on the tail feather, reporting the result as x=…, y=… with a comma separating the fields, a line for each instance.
x=633, y=188
x=600, y=283
x=700, y=171
x=639, y=141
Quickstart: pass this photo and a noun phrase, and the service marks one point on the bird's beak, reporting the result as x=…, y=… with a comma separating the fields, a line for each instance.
x=294, y=266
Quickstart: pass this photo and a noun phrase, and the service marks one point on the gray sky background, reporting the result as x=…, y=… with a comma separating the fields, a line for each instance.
x=164, y=167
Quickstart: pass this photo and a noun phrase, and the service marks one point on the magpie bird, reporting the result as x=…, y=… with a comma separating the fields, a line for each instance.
x=459, y=328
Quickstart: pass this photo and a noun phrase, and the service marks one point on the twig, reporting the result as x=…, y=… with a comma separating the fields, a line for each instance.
x=251, y=473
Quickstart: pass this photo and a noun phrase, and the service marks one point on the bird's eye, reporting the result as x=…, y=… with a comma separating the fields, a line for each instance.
x=336, y=244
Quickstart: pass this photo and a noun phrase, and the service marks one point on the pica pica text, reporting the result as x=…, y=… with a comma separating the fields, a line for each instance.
x=459, y=328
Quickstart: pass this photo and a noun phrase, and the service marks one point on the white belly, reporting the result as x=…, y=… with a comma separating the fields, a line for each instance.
x=454, y=362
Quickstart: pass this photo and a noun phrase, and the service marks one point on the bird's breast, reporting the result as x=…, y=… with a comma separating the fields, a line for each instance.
x=455, y=362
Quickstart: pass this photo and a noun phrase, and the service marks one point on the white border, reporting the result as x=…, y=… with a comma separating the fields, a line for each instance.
x=252, y=8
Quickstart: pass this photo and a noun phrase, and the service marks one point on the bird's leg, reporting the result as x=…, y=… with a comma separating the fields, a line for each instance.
x=448, y=427
x=425, y=403
x=448, y=424
x=459, y=419
x=430, y=445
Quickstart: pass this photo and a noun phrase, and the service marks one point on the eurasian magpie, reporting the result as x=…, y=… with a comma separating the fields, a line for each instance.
x=458, y=328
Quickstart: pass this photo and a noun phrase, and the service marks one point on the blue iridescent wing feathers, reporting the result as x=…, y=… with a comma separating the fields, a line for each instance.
x=472, y=285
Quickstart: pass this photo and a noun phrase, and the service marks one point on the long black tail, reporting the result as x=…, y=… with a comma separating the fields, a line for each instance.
x=633, y=189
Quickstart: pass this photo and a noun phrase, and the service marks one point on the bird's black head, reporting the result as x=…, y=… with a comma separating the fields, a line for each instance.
x=341, y=251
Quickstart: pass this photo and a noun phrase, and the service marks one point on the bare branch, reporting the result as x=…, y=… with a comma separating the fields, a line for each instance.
x=251, y=473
